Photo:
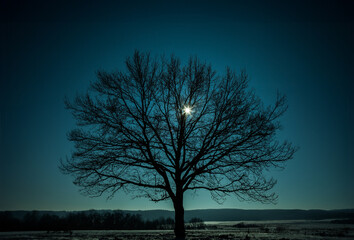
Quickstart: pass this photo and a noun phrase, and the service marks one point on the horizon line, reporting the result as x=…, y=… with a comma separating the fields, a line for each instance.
x=197, y=209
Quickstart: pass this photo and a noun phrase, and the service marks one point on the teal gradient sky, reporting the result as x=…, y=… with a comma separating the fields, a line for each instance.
x=52, y=49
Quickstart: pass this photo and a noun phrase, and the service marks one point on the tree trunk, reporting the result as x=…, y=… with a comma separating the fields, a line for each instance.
x=180, y=232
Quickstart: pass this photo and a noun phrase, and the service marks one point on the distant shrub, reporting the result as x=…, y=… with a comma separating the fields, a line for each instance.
x=343, y=221
x=280, y=229
x=243, y=225
x=196, y=220
x=225, y=236
x=196, y=223
x=264, y=229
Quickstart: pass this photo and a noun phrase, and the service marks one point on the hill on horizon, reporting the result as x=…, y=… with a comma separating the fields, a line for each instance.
x=219, y=214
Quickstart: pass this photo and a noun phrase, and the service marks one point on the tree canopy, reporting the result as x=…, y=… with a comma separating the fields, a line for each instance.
x=161, y=127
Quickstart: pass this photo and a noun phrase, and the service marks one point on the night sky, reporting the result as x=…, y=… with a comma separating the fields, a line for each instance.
x=52, y=49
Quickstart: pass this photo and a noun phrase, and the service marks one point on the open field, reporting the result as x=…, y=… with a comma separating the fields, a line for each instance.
x=268, y=230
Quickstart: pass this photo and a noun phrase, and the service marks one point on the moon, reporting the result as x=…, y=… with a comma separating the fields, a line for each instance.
x=187, y=110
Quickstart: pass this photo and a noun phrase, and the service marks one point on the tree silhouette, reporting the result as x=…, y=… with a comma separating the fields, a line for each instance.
x=161, y=128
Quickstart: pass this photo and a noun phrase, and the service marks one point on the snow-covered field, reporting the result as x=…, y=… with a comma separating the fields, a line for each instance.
x=271, y=230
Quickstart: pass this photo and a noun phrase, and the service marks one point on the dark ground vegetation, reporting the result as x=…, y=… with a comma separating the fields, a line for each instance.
x=317, y=230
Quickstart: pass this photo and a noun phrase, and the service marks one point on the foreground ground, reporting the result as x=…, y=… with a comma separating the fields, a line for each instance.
x=299, y=230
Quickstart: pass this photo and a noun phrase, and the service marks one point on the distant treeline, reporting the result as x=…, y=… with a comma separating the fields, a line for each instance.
x=117, y=220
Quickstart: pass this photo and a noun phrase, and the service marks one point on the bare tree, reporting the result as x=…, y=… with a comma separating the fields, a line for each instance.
x=161, y=128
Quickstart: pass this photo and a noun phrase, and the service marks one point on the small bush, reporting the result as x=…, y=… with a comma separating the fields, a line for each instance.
x=196, y=223
x=243, y=225
x=280, y=229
